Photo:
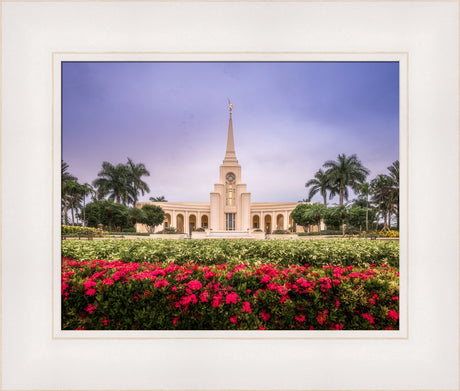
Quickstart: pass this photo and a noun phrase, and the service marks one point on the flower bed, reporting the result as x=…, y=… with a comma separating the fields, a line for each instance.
x=116, y=295
x=317, y=253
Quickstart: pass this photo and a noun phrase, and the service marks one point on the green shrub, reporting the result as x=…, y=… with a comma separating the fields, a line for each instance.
x=71, y=229
x=317, y=253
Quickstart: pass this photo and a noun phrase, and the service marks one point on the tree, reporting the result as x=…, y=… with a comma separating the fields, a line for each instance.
x=136, y=172
x=108, y=213
x=116, y=182
x=365, y=191
x=346, y=172
x=359, y=217
x=302, y=215
x=382, y=196
x=71, y=196
x=154, y=215
x=67, y=187
x=320, y=184
x=158, y=199
x=332, y=217
x=86, y=189
x=394, y=175
x=318, y=211
x=137, y=215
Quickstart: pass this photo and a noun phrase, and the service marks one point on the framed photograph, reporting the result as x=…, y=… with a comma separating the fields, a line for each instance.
x=168, y=277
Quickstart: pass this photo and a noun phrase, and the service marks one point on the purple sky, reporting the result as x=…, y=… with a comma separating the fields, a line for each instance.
x=288, y=119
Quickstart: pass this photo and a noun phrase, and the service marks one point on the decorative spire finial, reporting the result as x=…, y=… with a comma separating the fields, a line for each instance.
x=230, y=105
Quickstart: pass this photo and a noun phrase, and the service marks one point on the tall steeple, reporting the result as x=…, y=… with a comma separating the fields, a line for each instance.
x=230, y=155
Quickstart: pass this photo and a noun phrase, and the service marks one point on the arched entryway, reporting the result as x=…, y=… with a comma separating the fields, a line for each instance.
x=180, y=223
x=167, y=221
x=191, y=223
x=268, y=224
x=204, y=221
x=256, y=222
x=280, y=221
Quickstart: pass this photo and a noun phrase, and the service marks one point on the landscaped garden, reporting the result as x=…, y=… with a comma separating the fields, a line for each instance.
x=143, y=284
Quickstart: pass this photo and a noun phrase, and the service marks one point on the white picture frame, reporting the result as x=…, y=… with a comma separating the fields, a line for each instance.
x=422, y=35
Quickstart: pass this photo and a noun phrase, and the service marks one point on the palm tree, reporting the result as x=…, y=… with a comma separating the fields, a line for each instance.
x=86, y=189
x=116, y=182
x=365, y=191
x=136, y=172
x=344, y=173
x=72, y=197
x=66, y=188
x=321, y=184
x=382, y=197
x=65, y=175
x=158, y=199
x=394, y=175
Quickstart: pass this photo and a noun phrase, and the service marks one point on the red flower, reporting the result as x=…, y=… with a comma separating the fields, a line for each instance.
x=321, y=318
x=107, y=281
x=161, y=283
x=89, y=284
x=300, y=318
x=91, y=292
x=232, y=298
x=393, y=315
x=369, y=317
x=195, y=284
x=265, y=315
x=216, y=300
x=90, y=308
x=247, y=307
x=233, y=319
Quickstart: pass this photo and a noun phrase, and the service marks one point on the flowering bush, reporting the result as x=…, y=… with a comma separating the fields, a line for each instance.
x=117, y=295
x=317, y=253
x=389, y=234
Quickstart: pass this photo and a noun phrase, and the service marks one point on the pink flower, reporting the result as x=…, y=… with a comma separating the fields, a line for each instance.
x=89, y=284
x=195, y=284
x=91, y=292
x=265, y=315
x=104, y=321
x=107, y=281
x=338, y=326
x=393, y=315
x=175, y=320
x=161, y=283
x=233, y=319
x=216, y=300
x=265, y=278
x=209, y=275
x=321, y=318
x=395, y=298
x=247, y=307
x=369, y=317
x=204, y=296
x=300, y=318
x=232, y=298
x=90, y=308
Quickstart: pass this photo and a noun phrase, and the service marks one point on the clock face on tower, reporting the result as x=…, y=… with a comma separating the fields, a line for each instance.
x=230, y=177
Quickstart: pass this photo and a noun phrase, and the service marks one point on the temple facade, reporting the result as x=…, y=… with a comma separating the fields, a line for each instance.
x=229, y=209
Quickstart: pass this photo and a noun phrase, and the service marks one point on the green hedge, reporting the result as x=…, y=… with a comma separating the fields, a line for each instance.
x=316, y=253
x=72, y=229
x=112, y=295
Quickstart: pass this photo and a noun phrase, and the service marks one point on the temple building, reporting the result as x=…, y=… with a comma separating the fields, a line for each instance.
x=229, y=211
